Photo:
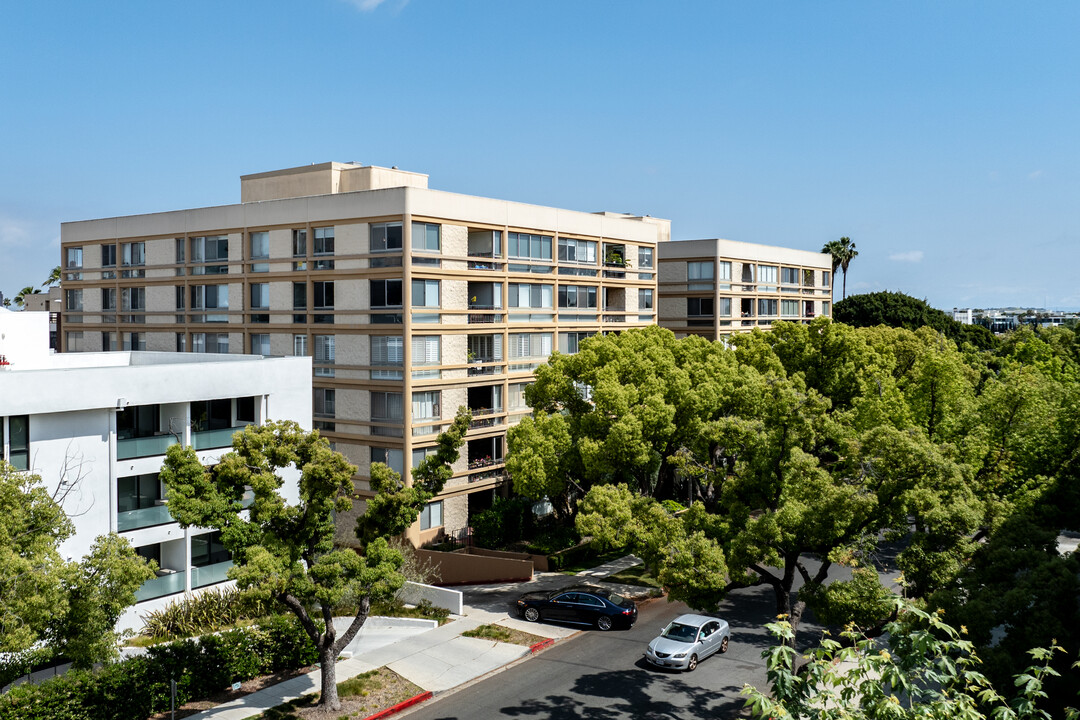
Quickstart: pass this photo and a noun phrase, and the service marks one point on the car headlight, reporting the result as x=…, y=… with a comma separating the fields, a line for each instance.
x=679, y=655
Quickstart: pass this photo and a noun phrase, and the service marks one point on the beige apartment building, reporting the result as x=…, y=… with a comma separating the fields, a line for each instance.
x=411, y=302
x=718, y=287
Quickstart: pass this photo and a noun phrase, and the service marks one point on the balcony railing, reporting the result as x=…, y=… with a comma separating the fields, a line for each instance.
x=210, y=574
x=485, y=461
x=168, y=583
x=209, y=439
x=484, y=369
x=482, y=318
x=143, y=517
x=485, y=265
x=143, y=446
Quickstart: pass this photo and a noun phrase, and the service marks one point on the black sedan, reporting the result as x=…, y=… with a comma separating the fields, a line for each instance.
x=580, y=605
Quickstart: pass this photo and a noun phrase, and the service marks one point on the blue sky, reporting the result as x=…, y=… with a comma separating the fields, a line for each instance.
x=941, y=137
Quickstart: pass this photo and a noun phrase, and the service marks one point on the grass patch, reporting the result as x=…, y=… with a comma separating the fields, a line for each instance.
x=498, y=633
x=637, y=575
x=363, y=695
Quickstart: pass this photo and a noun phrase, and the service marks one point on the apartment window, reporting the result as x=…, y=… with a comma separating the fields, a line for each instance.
x=699, y=275
x=299, y=296
x=789, y=308
x=748, y=272
x=299, y=243
x=108, y=342
x=180, y=295
x=525, y=295
x=425, y=350
x=385, y=293
x=574, y=296
x=108, y=299
x=133, y=299
x=700, y=307
x=723, y=270
x=645, y=257
x=484, y=348
x=431, y=515
x=322, y=295
x=825, y=309
x=766, y=306
x=73, y=341
x=808, y=278
x=181, y=244
x=133, y=253
x=324, y=355
x=245, y=409
x=138, y=421
x=207, y=549
x=516, y=399
x=387, y=351
x=789, y=276
x=425, y=405
x=138, y=492
x=73, y=258
x=260, y=250
x=260, y=345
x=210, y=297
x=524, y=245
x=324, y=402
x=767, y=274
x=393, y=458
x=577, y=251
x=135, y=341
x=570, y=342
x=108, y=255
x=530, y=345
x=260, y=296
x=419, y=455
x=181, y=342
x=723, y=308
x=210, y=343
x=18, y=441
x=425, y=293
x=425, y=236
x=387, y=406
x=322, y=245
x=209, y=248
x=385, y=237
x=299, y=347
x=645, y=299
x=73, y=300
x=824, y=278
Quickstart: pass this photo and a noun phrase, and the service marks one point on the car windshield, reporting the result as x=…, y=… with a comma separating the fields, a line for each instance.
x=680, y=632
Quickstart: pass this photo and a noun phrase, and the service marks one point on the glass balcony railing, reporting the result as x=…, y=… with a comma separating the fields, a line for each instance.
x=144, y=517
x=210, y=574
x=168, y=584
x=209, y=439
x=143, y=446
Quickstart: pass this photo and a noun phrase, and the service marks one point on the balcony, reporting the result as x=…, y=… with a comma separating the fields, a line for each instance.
x=144, y=517
x=483, y=318
x=210, y=574
x=168, y=582
x=477, y=368
x=488, y=264
x=484, y=417
x=213, y=439
x=128, y=448
x=483, y=462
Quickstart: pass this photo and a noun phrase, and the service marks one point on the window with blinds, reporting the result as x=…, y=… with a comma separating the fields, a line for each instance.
x=530, y=345
x=324, y=355
x=387, y=350
x=425, y=350
x=425, y=405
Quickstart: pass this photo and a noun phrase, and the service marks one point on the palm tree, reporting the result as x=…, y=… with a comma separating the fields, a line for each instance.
x=843, y=252
x=20, y=299
x=54, y=277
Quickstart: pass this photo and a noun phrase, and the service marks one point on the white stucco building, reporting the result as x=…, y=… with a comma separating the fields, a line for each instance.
x=95, y=427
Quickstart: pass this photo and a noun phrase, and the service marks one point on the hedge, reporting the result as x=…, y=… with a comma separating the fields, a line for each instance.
x=138, y=687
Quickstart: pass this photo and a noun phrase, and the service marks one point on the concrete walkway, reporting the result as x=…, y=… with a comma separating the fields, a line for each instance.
x=434, y=658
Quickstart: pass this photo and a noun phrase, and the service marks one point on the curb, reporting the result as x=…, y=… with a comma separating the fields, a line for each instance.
x=537, y=647
x=415, y=700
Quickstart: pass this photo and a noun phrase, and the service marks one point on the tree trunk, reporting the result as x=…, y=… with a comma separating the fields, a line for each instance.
x=844, y=296
x=328, y=665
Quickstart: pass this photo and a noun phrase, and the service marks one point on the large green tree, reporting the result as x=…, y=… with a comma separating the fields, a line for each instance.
x=285, y=551
x=74, y=605
x=896, y=309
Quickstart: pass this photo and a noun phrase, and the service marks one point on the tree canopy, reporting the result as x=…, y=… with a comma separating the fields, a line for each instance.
x=73, y=604
x=286, y=551
x=898, y=310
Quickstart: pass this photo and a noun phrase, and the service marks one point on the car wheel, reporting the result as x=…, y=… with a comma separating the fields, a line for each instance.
x=603, y=622
x=532, y=614
x=692, y=665
x=723, y=645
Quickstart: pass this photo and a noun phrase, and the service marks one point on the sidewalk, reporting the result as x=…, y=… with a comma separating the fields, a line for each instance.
x=437, y=659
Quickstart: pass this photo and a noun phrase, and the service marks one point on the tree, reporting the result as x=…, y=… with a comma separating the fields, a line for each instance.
x=54, y=277
x=843, y=252
x=898, y=310
x=74, y=605
x=20, y=298
x=925, y=669
x=285, y=551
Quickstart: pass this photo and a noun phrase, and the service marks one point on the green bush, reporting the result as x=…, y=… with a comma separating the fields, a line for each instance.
x=554, y=540
x=138, y=687
x=15, y=665
x=508, y=520
x=207, y=611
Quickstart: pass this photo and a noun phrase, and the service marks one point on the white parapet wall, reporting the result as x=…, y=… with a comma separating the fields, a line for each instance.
x=413, y=593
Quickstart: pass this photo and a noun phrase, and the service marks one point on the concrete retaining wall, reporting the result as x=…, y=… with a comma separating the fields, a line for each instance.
x=413, y=593
x=469, y=569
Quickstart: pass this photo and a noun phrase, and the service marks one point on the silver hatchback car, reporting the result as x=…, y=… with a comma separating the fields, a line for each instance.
x=687, y=640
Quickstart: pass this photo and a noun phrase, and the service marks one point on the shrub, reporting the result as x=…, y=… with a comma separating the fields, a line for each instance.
x=508, y=520
x=207, y=611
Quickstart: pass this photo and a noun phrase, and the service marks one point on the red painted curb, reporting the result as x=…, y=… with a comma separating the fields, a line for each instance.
x=541, y=645
x=400, y=706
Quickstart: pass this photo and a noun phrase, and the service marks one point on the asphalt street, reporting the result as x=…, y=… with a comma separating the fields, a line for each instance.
x=604, y=676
